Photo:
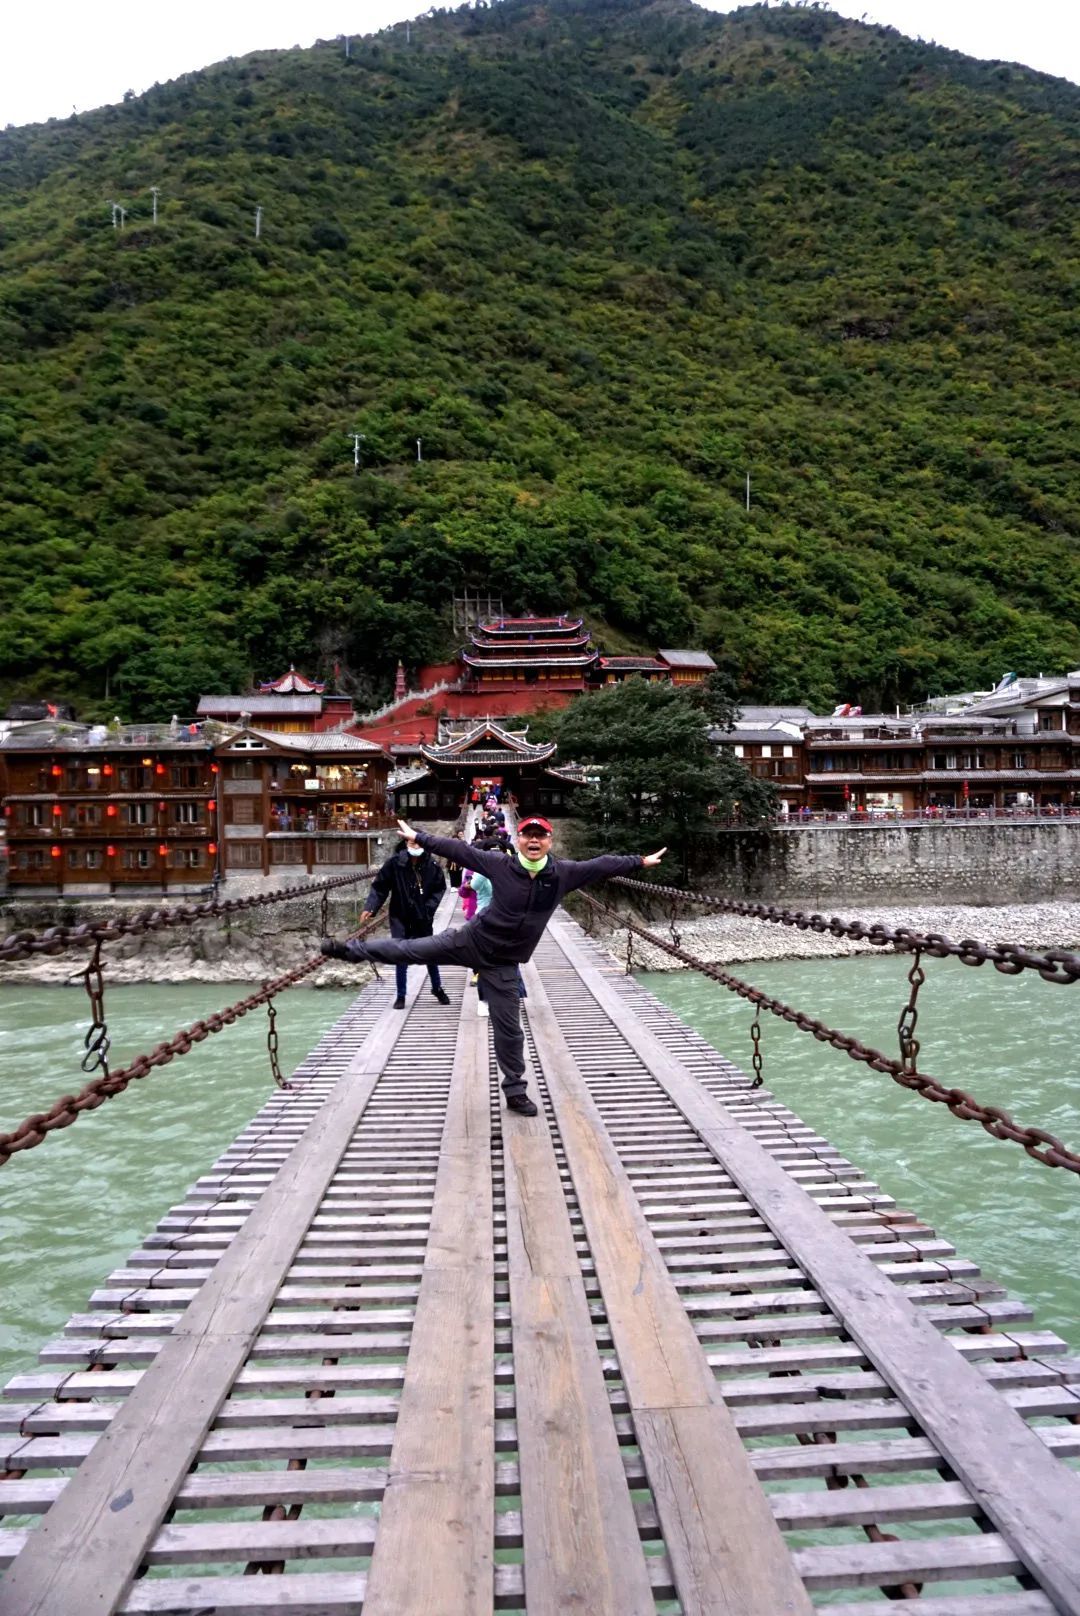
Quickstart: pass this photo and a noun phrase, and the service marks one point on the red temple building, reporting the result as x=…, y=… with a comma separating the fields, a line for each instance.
x=555, y=653
x=292, y=703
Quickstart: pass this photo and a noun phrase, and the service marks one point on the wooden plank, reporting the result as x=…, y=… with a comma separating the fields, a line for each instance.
x=435, y=1545
x=1031, y=1499
x=85, y=1552
x=726, y=1552
x=940, y=1559
x=581, y=1546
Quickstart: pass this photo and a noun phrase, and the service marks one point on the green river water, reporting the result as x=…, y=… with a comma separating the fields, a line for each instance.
x=75, y=1207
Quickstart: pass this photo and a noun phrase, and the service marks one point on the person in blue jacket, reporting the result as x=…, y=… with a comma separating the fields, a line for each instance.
x=526, y=890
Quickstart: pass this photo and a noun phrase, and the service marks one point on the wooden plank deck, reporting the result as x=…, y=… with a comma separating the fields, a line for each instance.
x=660, y=1347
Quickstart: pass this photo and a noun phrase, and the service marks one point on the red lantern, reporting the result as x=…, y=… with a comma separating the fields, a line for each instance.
x=211, y=804
x=847, y=793
x=214, y=769
x=111, y=851
x=966, y=789
x=162, y=849
x=161, y=807
x=57, y=808
x=211, y=848
x=106, y=768
x=159, y=768
x=56, y=770
x=56, y=852
x=7, y=810
x=111, y=811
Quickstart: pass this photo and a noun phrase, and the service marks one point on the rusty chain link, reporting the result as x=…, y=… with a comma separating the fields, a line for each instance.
x=272, y=1045
x=34, y=1130
x=909, y=1016
x=22, y=944
x=755, y=1058
x=1055, y=965
x=1037, y=1142
x=96, y=1041
x=629, y=952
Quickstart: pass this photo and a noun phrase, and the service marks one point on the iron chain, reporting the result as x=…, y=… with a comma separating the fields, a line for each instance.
x=34, y=1130
x=1037, y=1142
x=755, y=1039
x=1055, y=965
x=96, y=1042
x=22, y=944
x=272, y=1045
x=909, y=1016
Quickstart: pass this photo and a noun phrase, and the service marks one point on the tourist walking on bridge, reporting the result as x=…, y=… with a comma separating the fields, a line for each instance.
x=414, y=882
x=526, y=890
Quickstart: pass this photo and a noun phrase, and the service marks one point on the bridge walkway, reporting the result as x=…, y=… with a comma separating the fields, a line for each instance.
x=660, y=1349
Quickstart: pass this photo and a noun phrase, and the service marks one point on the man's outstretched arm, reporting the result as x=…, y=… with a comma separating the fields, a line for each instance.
x=471, y=858
x=582, y=872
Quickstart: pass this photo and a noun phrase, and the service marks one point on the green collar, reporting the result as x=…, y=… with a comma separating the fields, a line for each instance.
x=532, y=865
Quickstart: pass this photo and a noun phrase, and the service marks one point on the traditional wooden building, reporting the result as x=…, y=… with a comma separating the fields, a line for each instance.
x=483, y=756
x=297, y=803
x=555, y=653
x=291, y=704
x=687, y=667
x=92, y=810
x=613, y=670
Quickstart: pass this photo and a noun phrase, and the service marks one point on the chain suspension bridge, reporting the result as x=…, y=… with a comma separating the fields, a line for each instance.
x=660, y=1348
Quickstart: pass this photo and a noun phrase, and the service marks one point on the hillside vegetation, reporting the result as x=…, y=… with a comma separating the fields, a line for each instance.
x=602, y=257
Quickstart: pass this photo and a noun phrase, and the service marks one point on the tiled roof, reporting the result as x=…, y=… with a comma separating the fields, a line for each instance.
x=548, y=660
x=293, y=681
x=258, y=706
x=632, y=662
x=687, y=659
x=326, y=741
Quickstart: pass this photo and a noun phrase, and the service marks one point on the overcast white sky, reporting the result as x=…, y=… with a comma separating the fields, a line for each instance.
x=84, y=53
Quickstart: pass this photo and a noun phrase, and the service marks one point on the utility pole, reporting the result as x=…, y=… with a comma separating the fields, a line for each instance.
x=748, y=490
x=419, y=456
x=155, y=191
x=358, y=438
x=258, y=223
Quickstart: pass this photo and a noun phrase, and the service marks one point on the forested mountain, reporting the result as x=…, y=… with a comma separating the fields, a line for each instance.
x=602, y=257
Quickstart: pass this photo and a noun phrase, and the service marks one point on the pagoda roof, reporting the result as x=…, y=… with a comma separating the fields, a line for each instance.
x=488, y=742
x=549, y=660
x=293, y=683
x=507, y=644
x=529, y=625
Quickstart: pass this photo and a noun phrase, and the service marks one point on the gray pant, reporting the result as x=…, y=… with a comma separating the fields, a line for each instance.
x=499, y=982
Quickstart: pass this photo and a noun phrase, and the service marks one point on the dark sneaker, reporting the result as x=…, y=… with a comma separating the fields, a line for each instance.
x=399, y=1004
x=441, y=995
x=521, y=1104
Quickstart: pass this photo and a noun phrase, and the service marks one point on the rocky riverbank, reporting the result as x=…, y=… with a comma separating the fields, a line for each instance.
x=728, y=939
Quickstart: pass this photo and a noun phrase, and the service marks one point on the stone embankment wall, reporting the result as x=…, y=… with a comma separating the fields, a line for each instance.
x=980, y=863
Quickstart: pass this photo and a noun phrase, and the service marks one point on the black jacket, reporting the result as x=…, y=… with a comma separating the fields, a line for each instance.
x=413, y=886
x=509, y=929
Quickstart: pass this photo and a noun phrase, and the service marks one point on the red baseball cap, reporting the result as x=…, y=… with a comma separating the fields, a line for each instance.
x=534, y=819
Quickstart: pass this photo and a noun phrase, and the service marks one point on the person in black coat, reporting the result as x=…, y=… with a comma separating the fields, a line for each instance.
x=414, y=882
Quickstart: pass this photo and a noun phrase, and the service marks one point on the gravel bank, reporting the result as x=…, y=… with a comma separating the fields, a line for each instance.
x=727, y=939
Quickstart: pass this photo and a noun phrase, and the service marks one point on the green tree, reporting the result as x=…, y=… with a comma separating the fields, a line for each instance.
x=661, y=782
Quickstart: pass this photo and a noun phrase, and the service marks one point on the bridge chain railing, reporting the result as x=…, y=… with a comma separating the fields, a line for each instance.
x=23, y=944
x=1043, y=1146
x=1055, y=965
x=106, y=1085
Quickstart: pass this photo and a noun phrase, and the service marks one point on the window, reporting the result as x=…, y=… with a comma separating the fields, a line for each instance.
x=186, y=858
x=789, y=751
x=137, y=858
x=1020, y=760
x=241, y=769
x=943, y=760
x=84, y=858
x=33, y=813
x=287, y=852
x=186, y=813
x=973, y=760
x=185, y=774
x=335, y=852
x=740, y=751
x=84, y=813
x=34, y=859
x=766, y=751
x=137, y=813
x=134, y=778
x=244, y=855
x=243, y=810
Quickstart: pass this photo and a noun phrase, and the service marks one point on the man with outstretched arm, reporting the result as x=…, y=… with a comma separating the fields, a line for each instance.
x=527, y=888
